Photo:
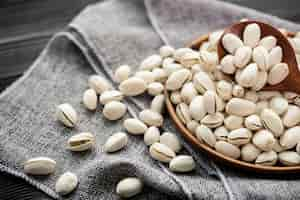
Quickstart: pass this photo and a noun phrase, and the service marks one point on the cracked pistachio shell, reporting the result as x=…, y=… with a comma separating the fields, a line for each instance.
x=116, y=142
x=180, y=52
x=151, y=62
x=231, y=42
x=212, y=102
x=114, y=110
x=279, y=105
x=221, y=133
x=272, y=122
x=134, y=126
x=39, y=166
x=228, y=149
x=248, y=75
x=268, y=158
x=89, y=99
x=81, y=142
x=264, y=140
x=240, y=107
x=213, y=120
x=188, y=92
x=209, y=60
x=239, y=136
x=111, y=95
x=183, y=113
x=251, y=35
x=289, y=158
x=151, y=117
x=227, y=65
x=278, y=73
x=66, y=114
x=205, y=134
x=224, y=90
x=133, y=86
x=238, y=91
x=253, y=122
x=275, y=56
x=249, y=152
x=182, y=163
x=197, y=109
x=158, y=104
x=66, y=183
x=261, y=80
x=161, y=152
x=166, y=51
x=242, y=56
x=147, y=76
x=261, y=57
x=268, y=42
x=232, y=122
x=203, y=82
x=189, y=59
x=292, y=116
x=155, y=88
x=99, y=84
x=152, y=135
x=175, y=97
x=122, y=73
x=171, y=140
x=129, y=187
x=290, y=138
x=177, y=79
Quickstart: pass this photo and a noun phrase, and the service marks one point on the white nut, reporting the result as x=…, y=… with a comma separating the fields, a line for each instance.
x=129, y=187
x=188, y=92
x=261, y=80
x=177, y=79
x=152, y=135
x=268, y=158
x=182, y=163
x=175, y=97
x=213, y=120
x=171, y=140
x=238, y=91
x=231, y=42
x=135, y=126
x=275, y=56
x=261, y=57
x=292, y=116
x=221, y=133
x=272, y=122
x=224, y=90
x=158, y=103
x=155, y=88
x=39, y=166
x=116, y=142
x=66, y=114
x=99, y=84
x=251, y=35
x=205, y=134
x=249, y=152
x=189, y=59
x=264, y=140
x=114, y=110
x=180, y=52
x=253, y=122
x=279, y=105
x=290, y=138
x=151, y=117
x=110, y=95
x=192, y=126
x=151, y=62
x=161, y=152
x=81, y=142
x=239, y=136
x=240, y=107
x=278, y=73
x=268, y=42
x=89, y=99
x=166, y=51
x=203, y=82
x=260, y=106
x=228, y=149
x=248, y=75
x=183, y=113
x=197, y=109
x=160, y=75
x=122, y=73
x=227, y=65
x=289, y=158
x=133, y=86
x=66, y=183
x=147, y=76
x=232, y=122
x=242, y=56
x=209, y=60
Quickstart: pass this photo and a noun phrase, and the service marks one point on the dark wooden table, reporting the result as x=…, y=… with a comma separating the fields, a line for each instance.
x=26, y=26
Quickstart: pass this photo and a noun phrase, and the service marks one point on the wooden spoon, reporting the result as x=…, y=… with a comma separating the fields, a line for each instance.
x=292, y=81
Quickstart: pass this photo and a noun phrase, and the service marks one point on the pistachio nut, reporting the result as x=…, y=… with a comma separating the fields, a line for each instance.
x=180, y=52
x=175, y=97
x=238, y=91
x=261, y=57
x=152, y=135
x=39, y=166
x=232, y=122
x=182, y=163
x=248, y=75
x=122, y=73
x=227, y=65
x=188, y=92
x=151, y=62
x=89, y=99
x=116, y=142
x=166, y=51
x=239, y=136
x=66, y=183
x=231, y=42
x=81, y=142
x=158, y=104
x=134, y=126
x=213, y=120
x=268, y=158
x=275, y=56
x=272, y=122
x=161, y=152
x=99, y=84
x=292, y=116
x=261, y=80
x=171, y=68
x=151, y=117
x=111, y=95
x=278, y=73
x=251, y=35
x=290, y=138
x=205, y=134
x=264, y=140
x=289, y=158
x=66, y=114
x=228, y=149
x=268, y=42
x=224, y=90
x=197, y=109
x=171, y=140
x=279, y=105
x=253, y=122
x=240, y=107
x=155, y=88
x=209, y=60
x=133, y=86
x=249, y=152
x=177, y=79
x=160, y=75
x=203, y=82
x=114, y=110
x=192, y=126
x=242, y=56
x=189, y=59
x=129, y=187
x=147, y=76
x=221, y=133
x=183, y=113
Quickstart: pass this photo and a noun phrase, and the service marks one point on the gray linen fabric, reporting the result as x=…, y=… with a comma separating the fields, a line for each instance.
x=101, y=38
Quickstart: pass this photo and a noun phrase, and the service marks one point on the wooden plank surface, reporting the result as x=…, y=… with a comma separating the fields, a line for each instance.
x=27, y=25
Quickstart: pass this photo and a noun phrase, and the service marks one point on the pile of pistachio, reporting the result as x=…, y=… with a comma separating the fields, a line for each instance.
x=219, y=102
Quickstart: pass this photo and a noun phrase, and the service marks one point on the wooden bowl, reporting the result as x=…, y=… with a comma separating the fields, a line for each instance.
x=218, y=157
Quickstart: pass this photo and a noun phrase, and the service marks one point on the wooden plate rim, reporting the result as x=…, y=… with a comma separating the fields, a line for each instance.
x=211, y=152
